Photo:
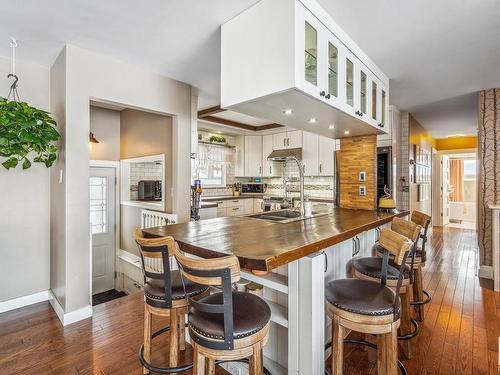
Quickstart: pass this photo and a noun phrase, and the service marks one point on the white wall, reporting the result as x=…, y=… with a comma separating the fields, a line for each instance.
x=89, y=76
x=105, y=124
x=24, y=201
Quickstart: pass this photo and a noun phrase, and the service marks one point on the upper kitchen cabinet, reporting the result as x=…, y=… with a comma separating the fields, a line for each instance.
x=253, y=156
x=270, y=168
x=289, y=139
x=288, y=61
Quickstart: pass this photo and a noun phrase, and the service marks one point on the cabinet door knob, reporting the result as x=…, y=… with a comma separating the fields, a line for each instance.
x=328, y=96
x=322, y=93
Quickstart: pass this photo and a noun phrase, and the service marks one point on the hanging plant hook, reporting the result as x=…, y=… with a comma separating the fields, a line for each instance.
x=13, y=87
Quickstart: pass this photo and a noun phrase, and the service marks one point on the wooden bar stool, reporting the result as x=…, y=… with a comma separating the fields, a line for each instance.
x=164, y=295
x=371, y=268
x=227, y=325
x=419, y=300
x=369, y=307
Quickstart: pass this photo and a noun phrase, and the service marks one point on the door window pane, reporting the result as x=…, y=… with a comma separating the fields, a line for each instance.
x=311, y=57
x=332, y=69
x=383, y=107
x=98, y=208
x=374, y=100
x=363, y=92
x=349, y=87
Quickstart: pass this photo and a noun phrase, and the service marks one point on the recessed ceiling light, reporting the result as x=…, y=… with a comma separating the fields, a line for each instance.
x=312, y=120
x=287, y=111
x=219, y=132
x=455, y=135
x=346, y=132
x=331, y=127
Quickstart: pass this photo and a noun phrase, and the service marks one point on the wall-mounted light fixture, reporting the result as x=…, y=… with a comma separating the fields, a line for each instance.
x=92, y=139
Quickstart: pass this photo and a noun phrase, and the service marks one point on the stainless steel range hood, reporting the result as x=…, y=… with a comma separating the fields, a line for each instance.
x=284, y=155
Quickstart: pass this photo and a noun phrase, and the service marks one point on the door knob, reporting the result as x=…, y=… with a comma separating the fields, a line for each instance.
x=322, y=93
x=327, y=96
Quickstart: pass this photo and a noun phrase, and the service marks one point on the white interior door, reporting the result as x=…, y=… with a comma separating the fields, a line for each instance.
x=445, y=189
x=102, y=223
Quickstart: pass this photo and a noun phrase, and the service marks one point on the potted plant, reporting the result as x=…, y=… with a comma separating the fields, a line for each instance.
x=26, y=133
x=217, y=139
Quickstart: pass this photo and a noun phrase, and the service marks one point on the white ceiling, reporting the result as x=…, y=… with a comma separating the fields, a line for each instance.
x=433, y=51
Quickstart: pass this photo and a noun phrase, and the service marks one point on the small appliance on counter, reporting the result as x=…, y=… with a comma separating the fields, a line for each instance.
x=253, y=188
x=386, y=202
x=149, y=190
x=195, y=200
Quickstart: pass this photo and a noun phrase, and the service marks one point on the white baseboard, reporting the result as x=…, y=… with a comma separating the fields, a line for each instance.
x=72, y=316
x=486, y=272
x=16, y=303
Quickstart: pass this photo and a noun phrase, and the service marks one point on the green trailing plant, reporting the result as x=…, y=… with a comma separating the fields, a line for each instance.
x=217, y=139
x=26, y=132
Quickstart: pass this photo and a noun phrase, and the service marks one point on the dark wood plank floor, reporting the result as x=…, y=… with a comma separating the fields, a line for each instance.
x=459, y=335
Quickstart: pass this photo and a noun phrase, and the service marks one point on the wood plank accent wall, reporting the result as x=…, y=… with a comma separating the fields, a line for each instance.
x=489, y=168
x=358, y=154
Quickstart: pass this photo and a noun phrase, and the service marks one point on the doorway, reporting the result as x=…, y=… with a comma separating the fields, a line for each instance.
x=458, y=201
x=102, y=213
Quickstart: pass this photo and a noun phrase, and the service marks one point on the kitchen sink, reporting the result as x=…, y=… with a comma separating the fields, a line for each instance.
x=285, y=216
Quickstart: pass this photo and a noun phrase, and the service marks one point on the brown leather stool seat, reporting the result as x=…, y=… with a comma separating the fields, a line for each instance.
x=154, y=289
x=372, y=267
x=250, y=315
x=370, y=298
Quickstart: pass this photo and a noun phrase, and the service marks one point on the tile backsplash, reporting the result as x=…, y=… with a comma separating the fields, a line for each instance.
x=149, y=171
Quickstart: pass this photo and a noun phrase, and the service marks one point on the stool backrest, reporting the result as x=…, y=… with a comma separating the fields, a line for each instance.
x=221, y=272
x=407, y=228
x=424, y=221
x=399, y=246
x=396, y=244
x=156, y=248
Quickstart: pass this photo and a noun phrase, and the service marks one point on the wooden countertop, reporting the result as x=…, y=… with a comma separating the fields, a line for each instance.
x=263, y=245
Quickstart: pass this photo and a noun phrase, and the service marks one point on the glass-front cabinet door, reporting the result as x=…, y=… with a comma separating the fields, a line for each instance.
x=363, y=92
x=383, y=108
x=311, y=54
x=349, y=82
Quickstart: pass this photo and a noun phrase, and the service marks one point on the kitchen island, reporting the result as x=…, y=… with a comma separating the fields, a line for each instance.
x=300, y=257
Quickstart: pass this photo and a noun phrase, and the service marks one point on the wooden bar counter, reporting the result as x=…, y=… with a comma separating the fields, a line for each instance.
x=264, y=245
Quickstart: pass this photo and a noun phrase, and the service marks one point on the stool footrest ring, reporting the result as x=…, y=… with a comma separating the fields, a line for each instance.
x=174, y=370
x=364, y=343
x=411, y=334
x=425, y=301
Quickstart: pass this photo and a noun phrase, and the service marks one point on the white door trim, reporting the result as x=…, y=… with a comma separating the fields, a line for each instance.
x=116, y=165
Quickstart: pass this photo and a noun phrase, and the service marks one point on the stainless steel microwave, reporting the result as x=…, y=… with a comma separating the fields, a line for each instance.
x=256, y=188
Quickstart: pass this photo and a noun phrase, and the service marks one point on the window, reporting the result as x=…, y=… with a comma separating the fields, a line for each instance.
x=212, y=174
x=332, y=69
x=311, y=58
x=98, y=208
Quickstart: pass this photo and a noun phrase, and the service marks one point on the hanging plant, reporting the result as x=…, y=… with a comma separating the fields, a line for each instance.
x=26, y=132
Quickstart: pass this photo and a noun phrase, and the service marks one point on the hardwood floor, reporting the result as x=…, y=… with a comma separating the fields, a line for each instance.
x=459, y=335
x=462, y=322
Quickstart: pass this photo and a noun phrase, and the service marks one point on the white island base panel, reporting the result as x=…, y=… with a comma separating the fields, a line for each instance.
x=296, y=294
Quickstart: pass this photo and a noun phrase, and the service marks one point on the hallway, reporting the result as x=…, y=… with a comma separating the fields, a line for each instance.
x=459, y=335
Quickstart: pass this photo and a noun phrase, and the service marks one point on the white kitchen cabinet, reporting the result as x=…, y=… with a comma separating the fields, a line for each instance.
x=310, y=156
x=326, y=148
x=253, y=156
x=239, y=155
x=314, y=70
x=289, y=139
x=270, y=168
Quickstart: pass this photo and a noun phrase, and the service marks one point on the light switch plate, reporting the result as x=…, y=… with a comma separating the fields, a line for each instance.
x=362, y=190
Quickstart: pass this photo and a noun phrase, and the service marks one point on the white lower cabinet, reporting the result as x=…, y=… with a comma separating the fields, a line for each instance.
x=237, y=206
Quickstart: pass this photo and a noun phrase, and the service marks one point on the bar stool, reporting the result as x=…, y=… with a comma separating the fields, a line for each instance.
x=369, y=307
x=164, y=295
x=371, y=268
x=227, y=325
x=424, y=221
